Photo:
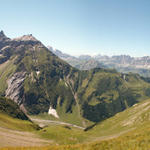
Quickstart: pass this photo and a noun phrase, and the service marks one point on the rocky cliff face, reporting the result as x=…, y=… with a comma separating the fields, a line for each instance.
x=15, y=87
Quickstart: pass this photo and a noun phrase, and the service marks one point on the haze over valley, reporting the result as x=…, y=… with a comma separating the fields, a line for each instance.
x=122, y=63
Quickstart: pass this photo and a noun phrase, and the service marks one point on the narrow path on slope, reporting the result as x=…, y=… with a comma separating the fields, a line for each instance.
x=42, y=122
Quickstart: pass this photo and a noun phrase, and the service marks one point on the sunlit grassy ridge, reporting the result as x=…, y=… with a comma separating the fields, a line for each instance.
x=16, y=124
x=138, y=139
x=63, y=134
x=127, y=130
x=10, y=108
x=12, y=117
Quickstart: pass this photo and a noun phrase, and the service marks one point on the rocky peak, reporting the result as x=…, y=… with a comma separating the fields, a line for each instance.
x=28, y=37
x=2, y=36
x=2, y=33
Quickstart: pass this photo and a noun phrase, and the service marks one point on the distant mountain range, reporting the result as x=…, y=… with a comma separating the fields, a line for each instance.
x=122, y=63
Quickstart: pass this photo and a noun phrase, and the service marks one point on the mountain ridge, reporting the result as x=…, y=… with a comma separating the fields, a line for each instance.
x=122, y=63
x=38, y=81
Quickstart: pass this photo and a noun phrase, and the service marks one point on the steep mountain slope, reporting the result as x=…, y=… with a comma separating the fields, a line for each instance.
x=39, y=82
x=16, y=129
x=33, y=62
x=35, y=78
x=10, y=108
x=103, y=93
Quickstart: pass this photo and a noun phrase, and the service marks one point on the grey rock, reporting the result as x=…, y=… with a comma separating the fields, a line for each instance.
x=15, y=85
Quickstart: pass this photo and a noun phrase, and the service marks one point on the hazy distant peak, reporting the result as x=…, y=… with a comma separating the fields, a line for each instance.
x=59, y=53
x=50, y=48
x=85, y=57
x=28, y=37
x=53, y=50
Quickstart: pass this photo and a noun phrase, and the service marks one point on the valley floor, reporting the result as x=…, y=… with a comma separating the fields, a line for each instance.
x=42, y=122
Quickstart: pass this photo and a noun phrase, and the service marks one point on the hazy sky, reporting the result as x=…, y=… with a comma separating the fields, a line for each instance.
x=81, y=26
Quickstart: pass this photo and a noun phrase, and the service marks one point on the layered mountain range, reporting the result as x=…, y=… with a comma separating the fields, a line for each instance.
x=40, y=82
x=122, y=63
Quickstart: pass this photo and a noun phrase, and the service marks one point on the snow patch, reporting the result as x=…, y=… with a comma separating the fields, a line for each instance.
x=124, y=77
x=37, y=72
x=66, y=84
x=53, y=112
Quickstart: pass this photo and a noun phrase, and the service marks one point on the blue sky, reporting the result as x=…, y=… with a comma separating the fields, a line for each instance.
x=109, y=27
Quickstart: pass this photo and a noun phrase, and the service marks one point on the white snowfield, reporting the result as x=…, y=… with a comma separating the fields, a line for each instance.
x=37, y=72
x=53, y=112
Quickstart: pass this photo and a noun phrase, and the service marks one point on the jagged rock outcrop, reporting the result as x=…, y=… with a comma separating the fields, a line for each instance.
x=15, y=87
x=25, y=38
x=3, y=36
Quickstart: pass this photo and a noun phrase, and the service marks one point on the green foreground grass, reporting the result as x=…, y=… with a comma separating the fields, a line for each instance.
x=128, y=130
x=138, y=139
x=16, y=124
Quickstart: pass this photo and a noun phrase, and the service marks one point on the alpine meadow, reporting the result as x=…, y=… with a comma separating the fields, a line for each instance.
x=91, y=92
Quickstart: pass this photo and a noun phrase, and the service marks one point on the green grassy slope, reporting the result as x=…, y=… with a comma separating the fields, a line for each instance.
x=6, y=70
x=103, y=93
x=15, y=127
x=16, y=124
x=63, y=134
x=127, y=130
x=10, y=108
x=131, y=119
x=127, y=120
x=12, y=117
